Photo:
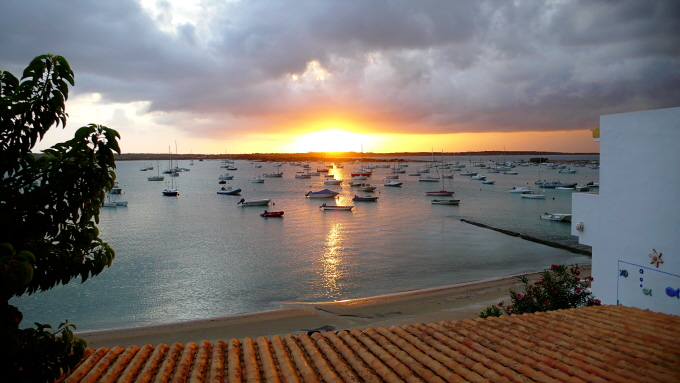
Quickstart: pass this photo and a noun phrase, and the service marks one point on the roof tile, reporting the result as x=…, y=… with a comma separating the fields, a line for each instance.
x=589, y=344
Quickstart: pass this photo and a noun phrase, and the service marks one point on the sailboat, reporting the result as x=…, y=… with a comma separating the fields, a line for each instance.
x=172, y=191
x=531, y=195
x=443, y=192
x=158, y=176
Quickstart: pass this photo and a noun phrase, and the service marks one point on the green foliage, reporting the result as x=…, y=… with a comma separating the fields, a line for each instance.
x=560, y=287
x=41, y=355
x=49, y=208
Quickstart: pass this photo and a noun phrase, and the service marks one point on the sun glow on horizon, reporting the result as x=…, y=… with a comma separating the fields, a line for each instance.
x=330, y=140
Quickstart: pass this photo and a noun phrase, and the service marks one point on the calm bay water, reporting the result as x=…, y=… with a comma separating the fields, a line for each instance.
x=201, y=255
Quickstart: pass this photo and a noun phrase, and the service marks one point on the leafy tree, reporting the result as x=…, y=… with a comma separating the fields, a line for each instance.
x=559, y=288
x=49, y=208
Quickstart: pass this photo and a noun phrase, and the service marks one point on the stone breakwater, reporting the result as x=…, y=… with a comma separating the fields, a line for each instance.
x=570, y=244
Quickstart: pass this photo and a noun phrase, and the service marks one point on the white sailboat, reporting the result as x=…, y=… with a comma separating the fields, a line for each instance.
x=172, y=191
x=443, y=192
x=158, y=176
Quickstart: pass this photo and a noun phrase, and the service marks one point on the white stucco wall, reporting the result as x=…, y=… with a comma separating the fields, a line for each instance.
x=636, y=212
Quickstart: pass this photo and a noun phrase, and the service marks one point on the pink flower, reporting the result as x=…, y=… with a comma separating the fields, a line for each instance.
x=518, y=296
x=554, y=266
x=500, y=304
x=547, y=303
x=578, y=291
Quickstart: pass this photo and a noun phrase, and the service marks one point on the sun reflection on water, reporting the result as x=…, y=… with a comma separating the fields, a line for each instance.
x=332, y=260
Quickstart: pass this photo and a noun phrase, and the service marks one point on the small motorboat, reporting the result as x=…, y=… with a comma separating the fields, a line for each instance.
x=488, y=182
x=229, y=191
x=469, y=174
x=428, y=179
x=258, y=180
x=445, y=201
x=582, y=188
x=269, y=214
x=116, y=189
x=531, y=195
x=222, y=182
x=254, y=202
x=336, y=207
x=225, y=177
x=556, y=217
x=368, y=198
x=393, y=183
x=366, y=187
x=325, y=193
x=332, y=181
x=478, y=177
x=512, y=173
x=520, y=189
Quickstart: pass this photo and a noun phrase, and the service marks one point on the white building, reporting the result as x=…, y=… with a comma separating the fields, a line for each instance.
x=636, y=215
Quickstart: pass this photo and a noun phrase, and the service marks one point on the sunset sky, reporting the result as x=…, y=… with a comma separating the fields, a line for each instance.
x=221, y=76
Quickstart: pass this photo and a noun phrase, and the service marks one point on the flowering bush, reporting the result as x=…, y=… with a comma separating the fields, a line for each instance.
x=560, y=287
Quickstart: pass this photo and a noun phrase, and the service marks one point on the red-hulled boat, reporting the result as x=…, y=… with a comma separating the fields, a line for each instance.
x=268, y=214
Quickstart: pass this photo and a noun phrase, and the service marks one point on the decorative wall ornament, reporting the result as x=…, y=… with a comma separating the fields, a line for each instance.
x=647, y=292
x=671, y=292
x=624, y=273
x=579, y=226
x=655, y=258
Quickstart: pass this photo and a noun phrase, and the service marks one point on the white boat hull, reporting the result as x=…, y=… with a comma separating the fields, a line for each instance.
x=255, y=202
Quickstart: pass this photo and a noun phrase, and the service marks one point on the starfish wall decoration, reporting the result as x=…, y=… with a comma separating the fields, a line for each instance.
x=655, y=258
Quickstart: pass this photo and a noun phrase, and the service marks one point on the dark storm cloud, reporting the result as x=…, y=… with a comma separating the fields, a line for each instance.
x=434, y=66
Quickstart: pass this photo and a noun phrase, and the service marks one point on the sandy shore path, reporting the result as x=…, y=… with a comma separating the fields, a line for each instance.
x=462, y=301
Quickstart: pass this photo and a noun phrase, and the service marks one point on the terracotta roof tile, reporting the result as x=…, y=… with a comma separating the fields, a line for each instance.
x=593, y=344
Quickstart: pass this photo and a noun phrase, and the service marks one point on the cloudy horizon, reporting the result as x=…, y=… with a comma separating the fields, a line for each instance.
x=255, y=74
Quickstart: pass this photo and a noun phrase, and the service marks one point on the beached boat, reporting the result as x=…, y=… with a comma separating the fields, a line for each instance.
x=229, y=191
x=271, y=214
x=325, y=193
x=368, y=198
x=254, y=202
x=556, y=217
x=336, y=207
x=445, y=201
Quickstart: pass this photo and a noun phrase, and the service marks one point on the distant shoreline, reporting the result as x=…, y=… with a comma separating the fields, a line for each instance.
x=333, y=157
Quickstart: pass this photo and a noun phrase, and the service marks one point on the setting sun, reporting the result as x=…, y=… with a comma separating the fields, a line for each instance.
x=330, y=140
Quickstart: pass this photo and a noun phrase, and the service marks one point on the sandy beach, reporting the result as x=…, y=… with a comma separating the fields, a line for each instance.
x=456, y=302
